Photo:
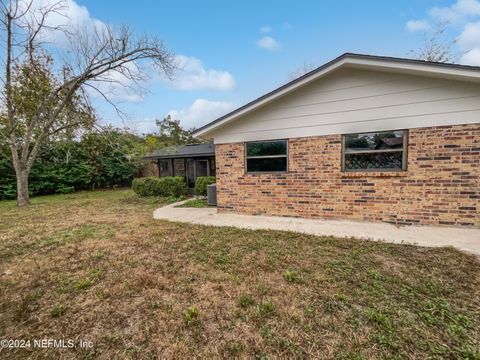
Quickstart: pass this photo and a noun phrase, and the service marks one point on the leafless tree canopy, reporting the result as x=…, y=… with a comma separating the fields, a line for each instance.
x=92, y=60
x=302, y=70
x=435, y=47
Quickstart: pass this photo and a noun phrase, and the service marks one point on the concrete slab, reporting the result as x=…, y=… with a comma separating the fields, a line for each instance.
x=460, y=238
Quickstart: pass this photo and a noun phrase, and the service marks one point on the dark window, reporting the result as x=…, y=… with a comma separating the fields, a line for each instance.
x=378, y=151
x=179, y=167
x=191, y=173
x=266, y=156
x=165, y=167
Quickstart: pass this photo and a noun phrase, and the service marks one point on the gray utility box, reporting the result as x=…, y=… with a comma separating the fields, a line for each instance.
x=212, y=194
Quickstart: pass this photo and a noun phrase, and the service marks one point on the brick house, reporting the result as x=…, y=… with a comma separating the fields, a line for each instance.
x=361, y=137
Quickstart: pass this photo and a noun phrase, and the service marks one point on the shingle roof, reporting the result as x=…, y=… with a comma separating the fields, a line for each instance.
x=182, y=151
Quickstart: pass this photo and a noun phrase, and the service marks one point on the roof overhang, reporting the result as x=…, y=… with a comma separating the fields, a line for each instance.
x=175, y=156
x=368, y=62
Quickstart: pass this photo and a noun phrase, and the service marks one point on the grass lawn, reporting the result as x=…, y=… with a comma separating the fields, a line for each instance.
x=195, y=203
x=95, y=266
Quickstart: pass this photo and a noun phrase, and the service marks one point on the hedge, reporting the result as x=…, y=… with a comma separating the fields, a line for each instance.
x=202, y=183
x=159, y=186
x=96, y=160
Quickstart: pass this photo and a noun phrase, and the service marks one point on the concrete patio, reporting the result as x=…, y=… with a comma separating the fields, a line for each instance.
x=461, y=238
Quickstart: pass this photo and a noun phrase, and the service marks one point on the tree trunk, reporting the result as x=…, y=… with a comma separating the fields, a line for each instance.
x=23, y=198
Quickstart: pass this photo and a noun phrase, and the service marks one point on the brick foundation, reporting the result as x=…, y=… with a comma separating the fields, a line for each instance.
x=440, y=187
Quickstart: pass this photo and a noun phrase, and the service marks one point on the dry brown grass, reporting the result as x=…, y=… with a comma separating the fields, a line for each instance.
x=96, y=266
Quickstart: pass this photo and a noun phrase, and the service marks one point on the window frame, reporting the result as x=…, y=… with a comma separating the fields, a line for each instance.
x=265, y=157
x=170, y=168
x=404, y=151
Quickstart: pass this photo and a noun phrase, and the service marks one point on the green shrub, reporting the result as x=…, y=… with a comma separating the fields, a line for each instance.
x=152, y=186
x=202, y=183
x=164, y=186
x=105, y=159
x=171, y=186
x=138, y=186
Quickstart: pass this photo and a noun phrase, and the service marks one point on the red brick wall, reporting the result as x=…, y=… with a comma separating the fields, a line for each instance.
x=440, y=187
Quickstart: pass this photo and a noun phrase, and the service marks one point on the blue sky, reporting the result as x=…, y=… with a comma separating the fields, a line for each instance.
x=233, y=51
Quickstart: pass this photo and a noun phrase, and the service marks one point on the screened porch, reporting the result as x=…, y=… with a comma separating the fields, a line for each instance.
x=189, y=161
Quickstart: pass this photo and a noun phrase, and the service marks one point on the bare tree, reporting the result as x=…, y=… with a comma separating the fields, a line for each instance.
x=436, y=47
x=91, y=59
x=302, y=70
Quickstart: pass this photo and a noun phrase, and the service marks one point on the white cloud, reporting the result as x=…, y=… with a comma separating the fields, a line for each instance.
x=266, y=29
x=268, y=43
x=191, y=75
x=470, y=36
x=458, y=12
x=417, y=25
x=462, y=16
x=471, y=57
x=68, y=15
x=201, y=112
x=117, y=87
x=145, y=126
